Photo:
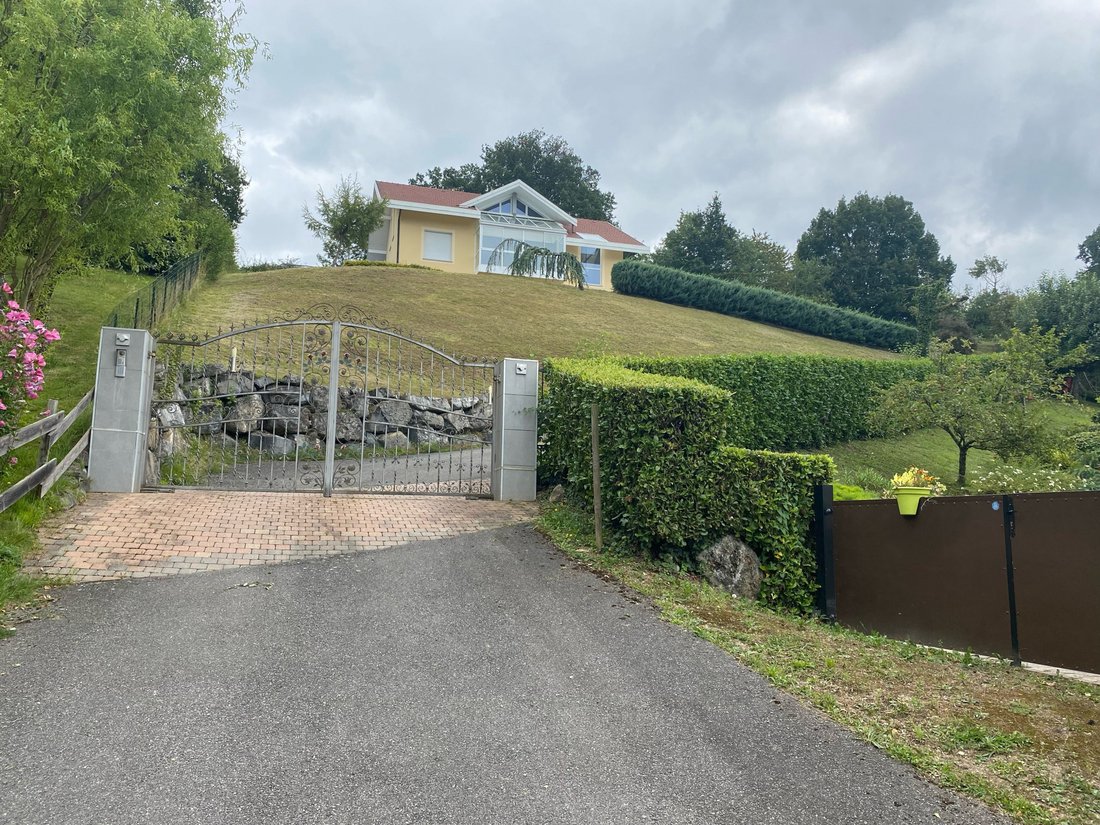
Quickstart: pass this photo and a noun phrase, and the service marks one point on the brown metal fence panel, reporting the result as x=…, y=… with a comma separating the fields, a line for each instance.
x=938, y=578
x=1056, y=556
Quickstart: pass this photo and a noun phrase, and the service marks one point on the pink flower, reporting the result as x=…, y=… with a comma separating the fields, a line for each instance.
x=5, y=288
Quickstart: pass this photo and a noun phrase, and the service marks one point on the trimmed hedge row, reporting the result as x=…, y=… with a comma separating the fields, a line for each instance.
x=766, y=499
x=791, y=402
x=657, y=435
x=668, y=483
x=674, y=286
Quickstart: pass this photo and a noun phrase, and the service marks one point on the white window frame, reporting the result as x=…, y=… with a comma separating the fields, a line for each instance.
x=450, y=245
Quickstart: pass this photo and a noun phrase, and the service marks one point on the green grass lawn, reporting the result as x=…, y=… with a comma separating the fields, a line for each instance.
x=494, y=316
x=858, y=461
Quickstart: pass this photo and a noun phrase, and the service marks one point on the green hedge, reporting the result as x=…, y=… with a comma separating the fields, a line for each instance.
x=791, y=402
x=668, y=481
x=657, y=434
x=674, y=286
x=766, y=500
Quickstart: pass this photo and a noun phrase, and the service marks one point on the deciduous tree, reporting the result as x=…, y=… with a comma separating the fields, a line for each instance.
x=102, y=106
x=1089, y=252
x=983, y=403
x=545, y=162
x=879, y=252
x=344, y=221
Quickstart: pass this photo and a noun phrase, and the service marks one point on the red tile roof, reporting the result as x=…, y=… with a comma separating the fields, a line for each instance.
x=452, y=197
x=608, y=231
x=423, y=194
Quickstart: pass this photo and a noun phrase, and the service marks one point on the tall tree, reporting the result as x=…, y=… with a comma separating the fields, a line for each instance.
x=879, y=252
x=989, y=270
x=1089, y=252
x=545, y=162
x=102, y=106
x=344, y=221
x=702, y=241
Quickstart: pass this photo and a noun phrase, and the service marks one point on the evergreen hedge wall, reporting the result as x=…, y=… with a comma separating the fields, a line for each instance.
x=792, y=402
x=674, y=286
x=668, y=481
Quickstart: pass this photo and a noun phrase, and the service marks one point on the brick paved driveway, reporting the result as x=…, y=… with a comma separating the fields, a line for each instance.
x=160, y=534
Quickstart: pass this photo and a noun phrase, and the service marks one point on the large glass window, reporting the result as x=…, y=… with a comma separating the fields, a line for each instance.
x=590, y=263
x=438, y=246
x=493, y=235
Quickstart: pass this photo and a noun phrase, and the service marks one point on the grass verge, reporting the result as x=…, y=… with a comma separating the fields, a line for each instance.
x=1022, y=742
x=78, y=309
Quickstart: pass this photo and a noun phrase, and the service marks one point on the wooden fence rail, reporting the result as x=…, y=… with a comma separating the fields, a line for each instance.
x=50, y=429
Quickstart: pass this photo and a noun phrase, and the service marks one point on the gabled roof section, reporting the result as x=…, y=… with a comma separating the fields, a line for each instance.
x=547, y=208
x=410, y=193
x=610, y=233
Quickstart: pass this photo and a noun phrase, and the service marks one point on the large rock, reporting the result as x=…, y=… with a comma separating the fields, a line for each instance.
x=273, y=444
x=170, y=415
x=169, y=443
x=286, y=397
x=481, y=417
x=420, y=435
x=463, y=402
x=349, y=427
x=431, y=404
x=456, y=422
x=428, y=419
x=389, y=416
x=733, y=566
x=233, y=384
x=287, y=420
x=206, y=419
x=245, y=414
x=200, y=387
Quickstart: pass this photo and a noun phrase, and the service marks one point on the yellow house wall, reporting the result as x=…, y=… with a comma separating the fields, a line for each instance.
x=408, y=248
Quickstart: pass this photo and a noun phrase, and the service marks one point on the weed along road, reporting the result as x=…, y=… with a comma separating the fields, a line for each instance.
x=476, y=679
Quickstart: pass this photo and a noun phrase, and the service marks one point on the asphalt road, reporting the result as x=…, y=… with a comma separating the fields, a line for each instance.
x=481, y=680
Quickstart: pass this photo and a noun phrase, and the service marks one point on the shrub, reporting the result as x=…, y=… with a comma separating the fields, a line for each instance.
x=633, y=277
x=790, y=402
x=657, y=434
x=22, y=342
x=668, y=483
x=359, y=262
x=766, y=500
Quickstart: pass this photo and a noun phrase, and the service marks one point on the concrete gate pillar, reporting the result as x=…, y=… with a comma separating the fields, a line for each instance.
x=120, y=410
x=515, y=429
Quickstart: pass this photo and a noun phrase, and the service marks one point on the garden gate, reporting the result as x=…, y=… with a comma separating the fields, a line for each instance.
x=323, y=400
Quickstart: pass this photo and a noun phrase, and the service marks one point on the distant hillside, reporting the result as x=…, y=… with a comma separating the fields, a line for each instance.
x=495, y=315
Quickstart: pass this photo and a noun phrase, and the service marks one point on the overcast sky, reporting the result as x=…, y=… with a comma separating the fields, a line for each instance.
x=985, y=114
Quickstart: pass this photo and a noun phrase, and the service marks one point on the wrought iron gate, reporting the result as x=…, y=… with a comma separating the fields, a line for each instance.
x=325, y=400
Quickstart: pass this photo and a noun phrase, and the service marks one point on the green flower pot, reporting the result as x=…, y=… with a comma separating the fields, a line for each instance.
x=909, y=499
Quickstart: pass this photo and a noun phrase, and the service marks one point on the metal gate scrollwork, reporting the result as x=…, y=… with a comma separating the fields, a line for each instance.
x=325, y=400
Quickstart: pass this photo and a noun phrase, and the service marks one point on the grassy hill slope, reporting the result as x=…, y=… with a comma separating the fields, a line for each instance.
x=495, y=315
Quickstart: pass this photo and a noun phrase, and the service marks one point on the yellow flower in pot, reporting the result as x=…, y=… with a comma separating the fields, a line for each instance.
x=911, y=486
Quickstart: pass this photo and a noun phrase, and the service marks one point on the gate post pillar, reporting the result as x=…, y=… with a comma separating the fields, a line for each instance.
x=515, y=429
x=120, y=410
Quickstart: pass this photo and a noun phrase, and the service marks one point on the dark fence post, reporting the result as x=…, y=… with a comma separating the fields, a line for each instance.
x=1008, y=507
x=823, y=541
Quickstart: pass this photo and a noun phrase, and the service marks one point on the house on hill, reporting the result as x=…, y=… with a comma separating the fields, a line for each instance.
x=458, y=231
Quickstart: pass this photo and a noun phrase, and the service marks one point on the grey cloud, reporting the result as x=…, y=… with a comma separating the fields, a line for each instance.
x=978, y=112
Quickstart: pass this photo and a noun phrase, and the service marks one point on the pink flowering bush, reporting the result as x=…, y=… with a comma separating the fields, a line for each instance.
x=22, y=342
